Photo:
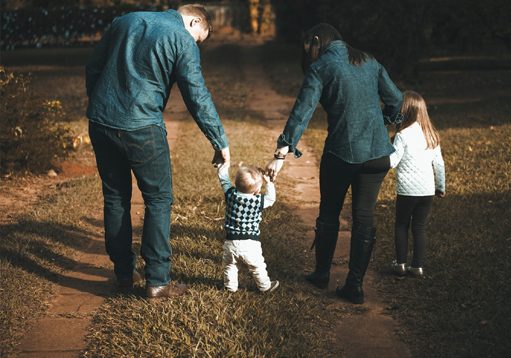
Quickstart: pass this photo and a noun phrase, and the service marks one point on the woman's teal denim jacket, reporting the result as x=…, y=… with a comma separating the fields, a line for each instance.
x=351, y=97
x=133, y=68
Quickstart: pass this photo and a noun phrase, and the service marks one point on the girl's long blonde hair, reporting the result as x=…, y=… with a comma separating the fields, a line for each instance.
x=414, y=110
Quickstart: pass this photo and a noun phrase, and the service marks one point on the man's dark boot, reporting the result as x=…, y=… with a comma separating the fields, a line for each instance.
x=362, y=243
x=324, y=243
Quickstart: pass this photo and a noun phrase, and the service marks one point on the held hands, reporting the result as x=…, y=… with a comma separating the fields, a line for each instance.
x=221, y=158
x=274, y=166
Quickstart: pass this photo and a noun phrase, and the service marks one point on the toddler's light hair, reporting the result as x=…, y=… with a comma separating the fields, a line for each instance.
x=414, y=110
x=248, y=179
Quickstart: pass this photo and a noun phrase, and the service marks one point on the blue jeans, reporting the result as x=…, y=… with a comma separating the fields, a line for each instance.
x=145, y=152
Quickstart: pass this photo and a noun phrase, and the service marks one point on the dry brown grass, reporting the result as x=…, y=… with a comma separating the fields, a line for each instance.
x=36, y=247
x=210, y=321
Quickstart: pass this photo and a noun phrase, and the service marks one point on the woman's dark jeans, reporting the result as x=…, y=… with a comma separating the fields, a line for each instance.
x=145, y=152
x=411, y=211
x=365, y=179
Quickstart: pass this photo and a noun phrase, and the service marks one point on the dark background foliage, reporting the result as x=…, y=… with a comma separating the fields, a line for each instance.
x=397, y=32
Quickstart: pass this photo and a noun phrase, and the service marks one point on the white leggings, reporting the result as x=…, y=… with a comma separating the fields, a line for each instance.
x=250, y=253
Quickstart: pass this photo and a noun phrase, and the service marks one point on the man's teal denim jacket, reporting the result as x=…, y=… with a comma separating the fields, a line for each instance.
x=351, y=97
x=133, y=68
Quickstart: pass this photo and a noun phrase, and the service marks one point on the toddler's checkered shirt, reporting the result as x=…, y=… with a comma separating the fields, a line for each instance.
x=243, y=213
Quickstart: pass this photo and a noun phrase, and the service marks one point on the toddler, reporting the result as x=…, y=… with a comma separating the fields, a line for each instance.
x=243, y=213
x=420, y=175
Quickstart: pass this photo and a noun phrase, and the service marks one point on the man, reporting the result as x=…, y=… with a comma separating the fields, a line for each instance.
x=128, y=79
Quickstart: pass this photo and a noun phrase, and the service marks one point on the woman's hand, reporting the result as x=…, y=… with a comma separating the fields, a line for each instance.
x=273, y=168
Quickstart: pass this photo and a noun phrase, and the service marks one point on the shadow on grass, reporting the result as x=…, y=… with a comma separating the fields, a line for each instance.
x=46, y=250
x=67, y=235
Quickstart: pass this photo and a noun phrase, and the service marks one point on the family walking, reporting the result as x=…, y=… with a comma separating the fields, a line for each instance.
x=129, y=77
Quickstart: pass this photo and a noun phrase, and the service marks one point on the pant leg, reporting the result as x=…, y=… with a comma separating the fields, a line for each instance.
x=149, y=157
x=335, y=177
x=230, y=264
x=365, y=189
x=404, y=209
x=419, y=221
x=252, y=254
x=115, y=173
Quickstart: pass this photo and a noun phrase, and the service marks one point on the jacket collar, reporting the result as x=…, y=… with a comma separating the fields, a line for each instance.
x=176, y=15
x=337, y=44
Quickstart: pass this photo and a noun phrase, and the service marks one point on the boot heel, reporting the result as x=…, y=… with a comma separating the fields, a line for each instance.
x=320, y=281
x=398, y=269
x=354, y=294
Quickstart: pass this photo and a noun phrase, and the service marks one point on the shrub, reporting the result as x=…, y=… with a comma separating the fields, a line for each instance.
x=31, y=135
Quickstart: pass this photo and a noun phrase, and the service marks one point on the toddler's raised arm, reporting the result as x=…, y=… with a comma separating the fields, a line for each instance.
x=271, y=196
x=223, y=176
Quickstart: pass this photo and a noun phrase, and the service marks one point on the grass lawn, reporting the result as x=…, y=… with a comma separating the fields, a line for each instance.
x=462, y=307
x=42, y=242
x=39, y=239
x=36, y=247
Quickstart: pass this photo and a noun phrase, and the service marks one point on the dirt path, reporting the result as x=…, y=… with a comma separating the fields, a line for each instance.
x=370, y=333
x=80, y=292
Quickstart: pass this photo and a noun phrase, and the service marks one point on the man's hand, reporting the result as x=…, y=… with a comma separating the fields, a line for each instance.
x=221, y=157
x=439, y=194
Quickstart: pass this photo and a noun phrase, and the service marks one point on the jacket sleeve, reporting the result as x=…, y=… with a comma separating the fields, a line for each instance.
x=97, y=61
x=302, y=112
x=399, y=146
x=197, y=97
x=439, y=169
x=391, y=96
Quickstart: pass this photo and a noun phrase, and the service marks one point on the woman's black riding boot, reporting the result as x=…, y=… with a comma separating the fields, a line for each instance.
x=324, y=243
x=362, y=243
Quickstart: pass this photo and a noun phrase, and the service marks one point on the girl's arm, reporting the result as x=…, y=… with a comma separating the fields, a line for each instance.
x=439, y=169
x=271, y=195
x=399, y=146
x=302, y=111
x=223, y=176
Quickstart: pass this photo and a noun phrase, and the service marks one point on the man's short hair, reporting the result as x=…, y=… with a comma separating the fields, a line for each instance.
x=200, y=11
x=248, y=180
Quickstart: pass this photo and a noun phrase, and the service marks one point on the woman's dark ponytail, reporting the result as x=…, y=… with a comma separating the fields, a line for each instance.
x=315, y=41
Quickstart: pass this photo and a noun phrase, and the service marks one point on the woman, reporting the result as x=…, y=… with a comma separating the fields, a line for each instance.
x=350, y=85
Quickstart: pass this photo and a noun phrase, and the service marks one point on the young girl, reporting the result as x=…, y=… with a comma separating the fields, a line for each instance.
x=420, y=176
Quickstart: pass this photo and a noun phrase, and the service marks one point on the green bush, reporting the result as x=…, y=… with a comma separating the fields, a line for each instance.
x=31, y=135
